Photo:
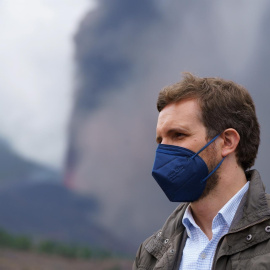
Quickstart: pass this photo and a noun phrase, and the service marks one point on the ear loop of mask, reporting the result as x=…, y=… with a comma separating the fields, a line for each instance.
x=213, y=171
x=202, y=150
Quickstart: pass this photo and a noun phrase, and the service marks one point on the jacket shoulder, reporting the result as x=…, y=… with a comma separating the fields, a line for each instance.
x=267, y=196
x=174, y=221
x=144, y=258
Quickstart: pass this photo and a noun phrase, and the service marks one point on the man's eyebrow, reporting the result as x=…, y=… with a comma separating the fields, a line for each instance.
x=176, y=130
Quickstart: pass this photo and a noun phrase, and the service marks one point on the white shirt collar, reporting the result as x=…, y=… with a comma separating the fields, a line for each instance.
x=227, y=211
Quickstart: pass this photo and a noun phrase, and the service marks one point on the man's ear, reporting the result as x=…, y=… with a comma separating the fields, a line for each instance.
x=231, y=140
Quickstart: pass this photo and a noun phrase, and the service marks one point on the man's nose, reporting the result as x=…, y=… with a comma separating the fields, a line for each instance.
x=166, y=141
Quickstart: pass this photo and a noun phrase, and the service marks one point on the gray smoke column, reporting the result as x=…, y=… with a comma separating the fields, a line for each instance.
x=107, y=57
x=126, y=51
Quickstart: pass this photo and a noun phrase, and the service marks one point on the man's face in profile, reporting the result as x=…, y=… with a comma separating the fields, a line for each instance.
x=180, y=124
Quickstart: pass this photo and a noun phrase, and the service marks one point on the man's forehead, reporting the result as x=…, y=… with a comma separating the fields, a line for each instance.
x=182, y=114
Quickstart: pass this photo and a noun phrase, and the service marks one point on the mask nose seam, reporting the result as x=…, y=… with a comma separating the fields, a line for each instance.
x=166, y=163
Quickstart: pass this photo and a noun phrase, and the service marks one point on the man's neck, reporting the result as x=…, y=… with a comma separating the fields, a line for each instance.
x=204, y=210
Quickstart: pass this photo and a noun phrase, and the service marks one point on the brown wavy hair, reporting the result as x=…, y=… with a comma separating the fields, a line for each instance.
x=224, y=104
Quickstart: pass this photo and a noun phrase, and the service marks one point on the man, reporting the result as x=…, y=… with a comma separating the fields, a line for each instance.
x=208, y=137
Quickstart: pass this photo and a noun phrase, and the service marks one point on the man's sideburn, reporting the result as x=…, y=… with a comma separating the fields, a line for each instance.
x=211, y=162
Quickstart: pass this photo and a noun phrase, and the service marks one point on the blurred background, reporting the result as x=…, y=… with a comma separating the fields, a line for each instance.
x=79, y=82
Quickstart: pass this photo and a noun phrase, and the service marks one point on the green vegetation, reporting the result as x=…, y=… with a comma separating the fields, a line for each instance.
x=51, y=247
x=16, y=242
x=70, y=251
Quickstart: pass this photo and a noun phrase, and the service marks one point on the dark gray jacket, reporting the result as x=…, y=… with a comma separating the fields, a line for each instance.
x=246, y=246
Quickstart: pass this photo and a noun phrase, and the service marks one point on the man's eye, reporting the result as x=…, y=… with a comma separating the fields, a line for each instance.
x=179, y=135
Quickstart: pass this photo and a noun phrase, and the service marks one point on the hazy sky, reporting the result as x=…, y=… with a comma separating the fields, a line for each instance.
x=36, y=74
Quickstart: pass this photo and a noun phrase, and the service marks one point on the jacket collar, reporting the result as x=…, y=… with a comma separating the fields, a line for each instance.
x=249, y=226
x=254, y=206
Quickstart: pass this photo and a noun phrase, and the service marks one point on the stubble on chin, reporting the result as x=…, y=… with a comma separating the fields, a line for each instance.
x=211, y=183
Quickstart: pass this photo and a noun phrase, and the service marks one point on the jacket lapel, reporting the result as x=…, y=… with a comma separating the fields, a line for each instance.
x=250, y=221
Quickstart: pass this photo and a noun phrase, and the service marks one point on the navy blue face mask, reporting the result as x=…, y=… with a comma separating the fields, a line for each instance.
x=180, y=172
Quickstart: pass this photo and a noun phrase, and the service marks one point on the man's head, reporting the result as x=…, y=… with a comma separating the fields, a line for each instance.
x=223, y=104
